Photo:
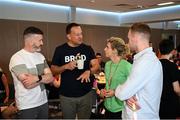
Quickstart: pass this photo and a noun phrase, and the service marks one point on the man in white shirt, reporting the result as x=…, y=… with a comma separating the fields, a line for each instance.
x=143, y=87
x=30, y=72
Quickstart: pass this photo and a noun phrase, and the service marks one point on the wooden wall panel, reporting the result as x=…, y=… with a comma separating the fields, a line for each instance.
x=96, y=36
x=155, y=38
x=54, y=34
x=8, y=43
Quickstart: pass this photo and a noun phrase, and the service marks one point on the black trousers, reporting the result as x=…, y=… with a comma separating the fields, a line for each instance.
x=40, y=112
x=113, y=115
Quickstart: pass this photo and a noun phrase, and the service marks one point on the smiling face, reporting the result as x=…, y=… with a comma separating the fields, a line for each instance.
x=37, y=42
x=75, y=36
x=33, y=39
x=34, y=42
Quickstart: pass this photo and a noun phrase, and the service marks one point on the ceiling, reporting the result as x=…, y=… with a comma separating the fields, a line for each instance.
x=110, y=5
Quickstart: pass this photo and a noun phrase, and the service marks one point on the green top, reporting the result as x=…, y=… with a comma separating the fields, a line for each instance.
x=119, y=73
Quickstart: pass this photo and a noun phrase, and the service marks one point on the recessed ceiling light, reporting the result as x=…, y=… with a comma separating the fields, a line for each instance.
x=139, y=6
x=167, y=3
x=92, y=1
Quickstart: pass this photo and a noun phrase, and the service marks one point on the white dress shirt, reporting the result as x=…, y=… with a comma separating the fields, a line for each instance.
x=145, y=82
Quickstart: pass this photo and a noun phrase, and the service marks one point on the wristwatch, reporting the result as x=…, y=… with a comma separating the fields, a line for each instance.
x=40, y=78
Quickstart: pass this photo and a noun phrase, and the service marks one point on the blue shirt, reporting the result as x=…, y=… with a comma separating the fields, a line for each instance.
x=145, y=82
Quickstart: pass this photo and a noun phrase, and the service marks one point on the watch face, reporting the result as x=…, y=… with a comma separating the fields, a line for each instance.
x=40, y=78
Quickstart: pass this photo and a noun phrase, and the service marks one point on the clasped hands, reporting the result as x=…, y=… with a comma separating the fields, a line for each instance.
x=107, y=93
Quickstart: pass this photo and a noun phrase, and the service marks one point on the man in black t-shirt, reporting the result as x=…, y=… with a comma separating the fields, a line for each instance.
x=169, y=106
x=76, y=84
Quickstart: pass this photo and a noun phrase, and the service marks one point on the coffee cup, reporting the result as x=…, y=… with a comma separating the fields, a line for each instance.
x=80, y=64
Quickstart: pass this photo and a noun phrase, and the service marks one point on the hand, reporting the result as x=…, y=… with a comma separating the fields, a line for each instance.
x=6, y=99
x=98, y=92
x=71, y=65
x=103, y=93
x=110, y=93
x=84, y=76
x=29, y=79
x=132, y=103
x=57, y=81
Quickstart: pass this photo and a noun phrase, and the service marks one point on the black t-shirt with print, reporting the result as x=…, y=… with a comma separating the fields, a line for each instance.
x=70, y=87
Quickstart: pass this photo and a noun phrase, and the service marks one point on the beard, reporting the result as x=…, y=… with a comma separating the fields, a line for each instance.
x=36, y=48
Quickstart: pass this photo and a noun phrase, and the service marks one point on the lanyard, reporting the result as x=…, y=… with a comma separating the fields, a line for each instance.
x=112, y=73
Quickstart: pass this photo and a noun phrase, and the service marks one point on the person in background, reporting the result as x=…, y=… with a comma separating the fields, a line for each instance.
x=142, y=90
x=116, y=72
x=76, y=82
x=169, y=106
x=177, y=57
x=30, y=72
x=53, y=88
x=101, y=62
x=4, y=89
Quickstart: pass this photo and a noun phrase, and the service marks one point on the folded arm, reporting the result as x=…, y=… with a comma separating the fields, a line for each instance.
x=136, y=80
x=30, y=81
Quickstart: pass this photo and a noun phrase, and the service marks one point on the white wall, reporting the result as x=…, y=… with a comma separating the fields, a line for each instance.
x=94, y=17
x=33, y=12
x=151, y=15
x=165, y=25
x=23, y=10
